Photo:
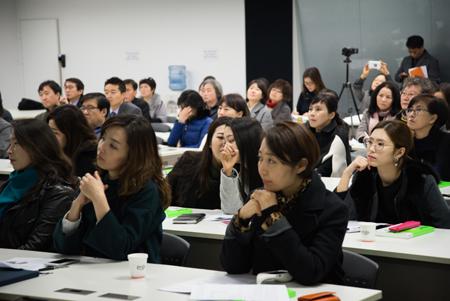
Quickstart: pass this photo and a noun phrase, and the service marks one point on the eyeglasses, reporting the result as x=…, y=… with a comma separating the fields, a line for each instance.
x=88, y=108
x=411, y=111
x=378, y=145
x=409, y=95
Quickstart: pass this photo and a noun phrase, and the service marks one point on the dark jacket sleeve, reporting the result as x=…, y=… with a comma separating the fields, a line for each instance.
x=403, y=68
x=358, y=88
x=55, y=202
x=236, y=250
x=435, y=210
x=309, y=265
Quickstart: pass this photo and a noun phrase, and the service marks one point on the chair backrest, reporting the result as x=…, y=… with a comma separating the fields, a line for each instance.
x=160, y=127
x=360, y=271
x=174, y=249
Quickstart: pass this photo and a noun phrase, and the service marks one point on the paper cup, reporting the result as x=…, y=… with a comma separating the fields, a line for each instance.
x=367, y=231
x=138, y=264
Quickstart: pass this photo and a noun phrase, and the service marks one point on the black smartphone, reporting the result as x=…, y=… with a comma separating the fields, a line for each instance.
x=189, y=218
x=62, y=262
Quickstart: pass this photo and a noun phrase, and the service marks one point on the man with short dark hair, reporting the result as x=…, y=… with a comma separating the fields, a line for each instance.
x=50, y=95
x=73, y=89
x=418, y=56
x=95, y=108
x=115, y=93
x=130, y=96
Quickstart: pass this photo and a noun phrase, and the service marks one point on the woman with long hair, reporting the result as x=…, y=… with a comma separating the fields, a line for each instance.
x=388, y=186
x=195, y=178
x=384, y=105
x=239, y=157
x=75, y=137
x=293, y=222
x=119, y=210
x=38, y=191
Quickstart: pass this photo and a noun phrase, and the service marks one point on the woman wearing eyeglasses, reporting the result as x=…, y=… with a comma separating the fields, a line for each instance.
x=426, y=115
x=384, y=105
x=390, y=187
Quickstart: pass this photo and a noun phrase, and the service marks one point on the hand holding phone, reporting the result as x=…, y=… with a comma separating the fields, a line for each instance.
x=374, y=65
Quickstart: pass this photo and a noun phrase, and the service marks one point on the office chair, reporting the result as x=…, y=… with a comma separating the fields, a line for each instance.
x=160, y=127
x=171, y=119
x=360, y=271
x=174, y=250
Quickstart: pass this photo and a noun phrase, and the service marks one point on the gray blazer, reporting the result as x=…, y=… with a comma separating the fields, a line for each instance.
x=282, y=112
x=5, y=136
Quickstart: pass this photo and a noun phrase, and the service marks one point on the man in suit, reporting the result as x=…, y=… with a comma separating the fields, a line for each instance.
x=73, y=89
x=130, y=96
x=95, y=108
x=115, y=94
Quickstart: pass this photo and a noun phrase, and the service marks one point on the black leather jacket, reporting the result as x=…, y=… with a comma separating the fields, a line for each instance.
x=29, y=223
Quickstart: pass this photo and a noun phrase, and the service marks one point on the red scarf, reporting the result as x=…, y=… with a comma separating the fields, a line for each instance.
x=271, y=104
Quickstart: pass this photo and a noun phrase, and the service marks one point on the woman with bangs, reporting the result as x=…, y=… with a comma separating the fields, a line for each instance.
x=331, y=133
x=233, y=106
x=121, y=209
x=388, y=186
x=280, y=100
x=293, y=222
x=312, y=85
x=256, y=102
x=384, y=105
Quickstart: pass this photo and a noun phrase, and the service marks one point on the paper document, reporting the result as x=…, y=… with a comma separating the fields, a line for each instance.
x=248, y=292
x=420, y=71
x=31, y=264
x=219, y=217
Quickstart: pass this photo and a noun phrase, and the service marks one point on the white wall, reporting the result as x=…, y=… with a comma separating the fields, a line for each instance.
x=98, y=36
x=10, y=84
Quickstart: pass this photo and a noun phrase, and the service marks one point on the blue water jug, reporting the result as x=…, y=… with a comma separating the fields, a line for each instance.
x=177, y=77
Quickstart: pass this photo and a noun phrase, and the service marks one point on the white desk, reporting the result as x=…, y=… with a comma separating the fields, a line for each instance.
x=353, y=120
x=5, y=167
x=114, y=278
x=163, y=135
x=19, y=114
x=170, y=155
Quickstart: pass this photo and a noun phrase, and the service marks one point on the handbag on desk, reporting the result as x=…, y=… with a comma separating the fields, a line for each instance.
x=322, y=296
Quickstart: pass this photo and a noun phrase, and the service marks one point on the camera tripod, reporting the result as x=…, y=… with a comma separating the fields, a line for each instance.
x=348, y=84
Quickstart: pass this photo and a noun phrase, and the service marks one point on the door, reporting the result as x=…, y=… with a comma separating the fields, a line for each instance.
x=40, y=50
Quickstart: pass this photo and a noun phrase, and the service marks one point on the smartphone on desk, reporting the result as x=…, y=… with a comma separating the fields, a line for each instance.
x=62, y=262
x=189, y=218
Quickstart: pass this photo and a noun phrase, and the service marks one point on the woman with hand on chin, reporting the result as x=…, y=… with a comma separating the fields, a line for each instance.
x=293, y=222
x=388, y=186
x=239, y=158
x=120, y=211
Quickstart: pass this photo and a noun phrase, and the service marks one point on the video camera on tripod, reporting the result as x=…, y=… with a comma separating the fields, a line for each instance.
x=347, y=52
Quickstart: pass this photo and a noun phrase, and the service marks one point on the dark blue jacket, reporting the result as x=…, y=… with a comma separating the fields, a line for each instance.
x=189, y=134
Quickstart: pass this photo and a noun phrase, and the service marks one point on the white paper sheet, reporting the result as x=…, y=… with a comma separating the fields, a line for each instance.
x=31, y=264
x=248, y=292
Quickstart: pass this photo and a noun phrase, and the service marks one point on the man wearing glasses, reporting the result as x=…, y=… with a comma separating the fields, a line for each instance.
x=95, y=108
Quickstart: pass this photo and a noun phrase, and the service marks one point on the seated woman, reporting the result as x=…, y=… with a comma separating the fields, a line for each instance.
x=193, y=121
x=384, y=105
x=38, y=191
x=232, y=105
x=389, y=187
x=312, y=84
x=211, y=92
x=293, y=222
x=256, y=102
x=331, y=133
x=242, y=141
x=195, y=178
x=426, y=115
x=75, y=137
x=121, y=211
x=364, y=95
x=280, y=100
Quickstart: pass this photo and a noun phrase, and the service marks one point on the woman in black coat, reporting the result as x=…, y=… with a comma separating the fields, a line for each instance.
x=389, y=187
x=293, y=222
x=38, y=191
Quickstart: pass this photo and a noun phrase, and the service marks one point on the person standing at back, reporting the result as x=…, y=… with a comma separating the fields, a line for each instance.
x=418, y=56
x=115, y=93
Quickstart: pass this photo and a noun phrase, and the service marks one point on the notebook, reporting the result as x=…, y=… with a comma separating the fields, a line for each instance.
x=8, y=276
x=410, y=233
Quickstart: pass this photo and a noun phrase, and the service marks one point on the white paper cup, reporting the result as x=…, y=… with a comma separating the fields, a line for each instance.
x=367, y=231
x=138, y=264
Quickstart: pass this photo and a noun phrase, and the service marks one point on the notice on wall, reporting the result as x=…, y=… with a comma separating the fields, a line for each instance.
x=132, y=56
x=210, y=54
